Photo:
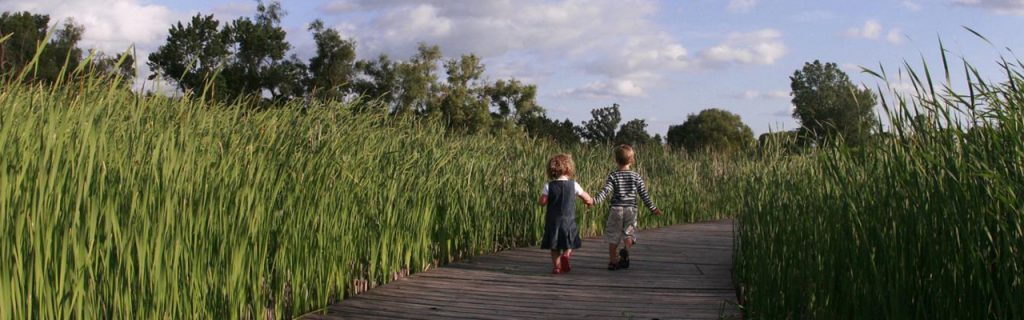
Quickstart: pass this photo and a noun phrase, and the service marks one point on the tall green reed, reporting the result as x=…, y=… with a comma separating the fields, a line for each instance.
x=926, y=223
x=119, y=205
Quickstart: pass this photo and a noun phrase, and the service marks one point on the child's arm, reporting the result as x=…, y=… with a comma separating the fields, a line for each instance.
x=641, y=189
x=606, y=190
x=544, y=196
x=587, y=200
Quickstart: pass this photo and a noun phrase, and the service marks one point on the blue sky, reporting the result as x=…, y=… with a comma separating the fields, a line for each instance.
x=660, y=60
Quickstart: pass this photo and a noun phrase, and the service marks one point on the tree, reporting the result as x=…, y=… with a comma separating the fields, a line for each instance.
x=601, y=128
x=417, y=81
x=192, y=53
x=829, y=106
x=634, y=132
x=27, y=30
x=464, y=104
x=259, y=64
x=333, y=68
x=540, y=126
x=379, y=81
x=409, y=87
x=513, y=100
x=250, y=55
x=711, y=130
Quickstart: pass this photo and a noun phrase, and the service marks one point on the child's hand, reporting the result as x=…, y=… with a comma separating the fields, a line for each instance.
x=657, y=212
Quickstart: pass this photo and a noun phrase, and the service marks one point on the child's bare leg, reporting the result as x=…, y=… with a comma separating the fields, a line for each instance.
x=555, y=259
x=629, y=243
x=567, y=253
x=613, y=252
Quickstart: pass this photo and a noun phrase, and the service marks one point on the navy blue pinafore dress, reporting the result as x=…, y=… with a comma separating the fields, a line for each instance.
x=560, y=230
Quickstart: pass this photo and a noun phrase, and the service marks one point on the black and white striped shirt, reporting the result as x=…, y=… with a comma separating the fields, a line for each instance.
x=623, y=186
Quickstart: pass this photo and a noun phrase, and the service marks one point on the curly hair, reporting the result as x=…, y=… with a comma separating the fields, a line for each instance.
x=561, y=165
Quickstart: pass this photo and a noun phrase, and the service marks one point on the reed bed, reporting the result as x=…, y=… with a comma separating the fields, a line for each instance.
x=119, y=205
x=925, y=224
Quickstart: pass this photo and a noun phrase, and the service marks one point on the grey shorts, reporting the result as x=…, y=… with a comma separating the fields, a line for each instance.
x=621, y=224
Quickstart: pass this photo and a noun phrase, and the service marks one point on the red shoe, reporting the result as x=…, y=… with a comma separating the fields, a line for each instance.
x=556, y=270
x=565, y=264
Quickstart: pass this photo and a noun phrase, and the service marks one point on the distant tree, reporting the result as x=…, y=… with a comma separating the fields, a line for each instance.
x=464, y=104
x=259, y=64
x=418, y=81
x=540, y=126
x=379, y=81
x=121, y=65
x=658, y=139
x=192, y=53
x=332, y=70
x=513, y=99
x=27, y=30
x=712, y=130
x=250, y=54
x=601, y=128
x=829, y=106
x=634, y=132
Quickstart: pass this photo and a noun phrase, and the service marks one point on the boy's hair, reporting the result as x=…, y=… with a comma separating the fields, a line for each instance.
x=561, y=165
x=624, y=154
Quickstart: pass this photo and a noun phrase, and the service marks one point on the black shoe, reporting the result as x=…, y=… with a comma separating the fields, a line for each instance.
x=623, y=259
x=613, y=266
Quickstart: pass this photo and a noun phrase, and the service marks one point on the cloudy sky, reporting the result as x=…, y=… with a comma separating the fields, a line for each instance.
x=660, y=60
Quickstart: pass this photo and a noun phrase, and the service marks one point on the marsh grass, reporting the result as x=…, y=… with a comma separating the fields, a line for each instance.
x=119, y=205
x=925, y=224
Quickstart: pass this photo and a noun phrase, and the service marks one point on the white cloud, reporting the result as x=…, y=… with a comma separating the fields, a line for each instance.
x=742, y=5
x=1008, y=7
x=873, y=30
x=606, y=89
x=110, y=25
x=895, y=36
x=911, y=5
x=757, y=47
x=617, y=42
x=234, y=9
x=759, y=95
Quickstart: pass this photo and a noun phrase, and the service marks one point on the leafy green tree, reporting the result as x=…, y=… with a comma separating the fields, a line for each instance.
x=634, y=132
x=380, y=81
x=192, y=53
x=829, y=106
x=333, y=68
x=418, y=81
x=464, y=104
x=259, y=62
x=540, y=126
x=514, y=100
x=711, y=130
x=121, y=64
x=601, y=128
x=249, y=56
x=26, y=31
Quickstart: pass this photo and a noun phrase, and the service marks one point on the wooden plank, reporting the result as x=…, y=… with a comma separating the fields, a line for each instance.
x=678, y=272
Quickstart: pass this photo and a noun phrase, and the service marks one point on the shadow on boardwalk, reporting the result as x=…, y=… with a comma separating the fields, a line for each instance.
x=677, y=272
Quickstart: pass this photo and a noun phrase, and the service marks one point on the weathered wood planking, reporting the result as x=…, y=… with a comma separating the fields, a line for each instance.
x=678, y=272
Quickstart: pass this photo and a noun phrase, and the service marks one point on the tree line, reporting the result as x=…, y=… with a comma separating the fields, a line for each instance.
x=250, y=58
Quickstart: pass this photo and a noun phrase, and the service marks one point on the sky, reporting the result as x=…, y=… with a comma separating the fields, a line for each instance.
x=659, y=60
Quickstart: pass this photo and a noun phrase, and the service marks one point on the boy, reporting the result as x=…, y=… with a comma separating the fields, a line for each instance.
x=623, y=185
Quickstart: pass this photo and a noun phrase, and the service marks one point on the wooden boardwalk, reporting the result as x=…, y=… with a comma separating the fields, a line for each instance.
x=678, y=272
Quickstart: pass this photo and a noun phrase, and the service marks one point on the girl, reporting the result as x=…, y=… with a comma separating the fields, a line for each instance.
x=559, y=195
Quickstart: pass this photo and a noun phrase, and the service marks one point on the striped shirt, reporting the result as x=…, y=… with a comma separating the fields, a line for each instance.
x=623, y=186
